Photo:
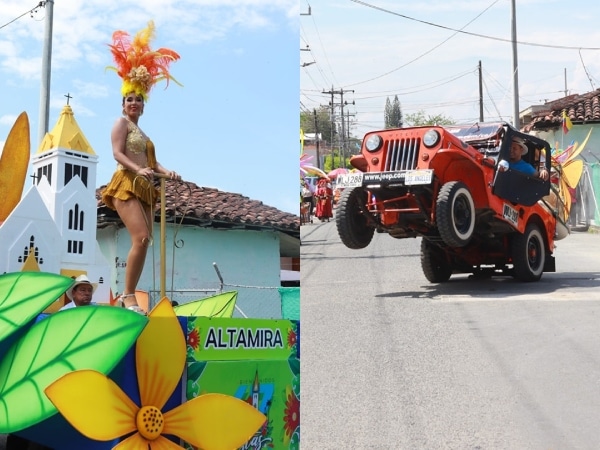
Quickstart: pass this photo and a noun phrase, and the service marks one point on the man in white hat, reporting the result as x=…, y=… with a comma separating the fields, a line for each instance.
x=518, y=148
x=80, y=293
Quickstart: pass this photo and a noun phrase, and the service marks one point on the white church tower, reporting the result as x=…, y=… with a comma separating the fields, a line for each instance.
x=65, y=174
x=53, y=228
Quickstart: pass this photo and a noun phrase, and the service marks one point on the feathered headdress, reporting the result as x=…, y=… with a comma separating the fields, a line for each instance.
x=138, y=65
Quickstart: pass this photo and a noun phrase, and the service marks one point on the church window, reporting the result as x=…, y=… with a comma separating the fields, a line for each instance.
x=72, y=170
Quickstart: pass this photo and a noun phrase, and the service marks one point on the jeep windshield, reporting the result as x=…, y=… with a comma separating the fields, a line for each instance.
x=483, y=136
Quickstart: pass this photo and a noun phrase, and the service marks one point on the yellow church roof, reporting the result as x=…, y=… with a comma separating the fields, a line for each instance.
x=66, y=134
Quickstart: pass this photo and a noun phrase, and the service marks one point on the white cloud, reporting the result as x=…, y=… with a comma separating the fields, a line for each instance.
x=8, y=119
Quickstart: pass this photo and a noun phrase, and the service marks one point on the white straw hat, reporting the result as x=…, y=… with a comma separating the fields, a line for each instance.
x=521, y=142
x=81, y=279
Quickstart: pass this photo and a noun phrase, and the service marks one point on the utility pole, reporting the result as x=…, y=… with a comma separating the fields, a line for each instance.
x=516, y=119
x=332, y=118
x=46, y=58
x=348, y=124
x=480, y=94
x=342, y=135
x=317, y=138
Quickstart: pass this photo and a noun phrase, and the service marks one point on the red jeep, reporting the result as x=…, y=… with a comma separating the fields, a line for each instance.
x=443, y=185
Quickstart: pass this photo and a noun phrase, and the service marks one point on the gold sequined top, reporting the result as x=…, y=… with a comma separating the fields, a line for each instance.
x=126, y=184
x=136, y=146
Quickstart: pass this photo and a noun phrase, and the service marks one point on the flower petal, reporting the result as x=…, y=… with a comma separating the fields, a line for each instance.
x=162, y=443
x=214, y=421
x=93, y=404
x=160, y=355
x=137, y=442
x=133, y=442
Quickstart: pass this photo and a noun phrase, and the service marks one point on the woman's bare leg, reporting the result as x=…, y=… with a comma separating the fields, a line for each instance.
x=136, y=220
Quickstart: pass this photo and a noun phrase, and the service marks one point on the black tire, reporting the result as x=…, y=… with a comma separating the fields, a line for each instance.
x=352, y=225
x=435, y=266
x=528, y=254
x=455, y=214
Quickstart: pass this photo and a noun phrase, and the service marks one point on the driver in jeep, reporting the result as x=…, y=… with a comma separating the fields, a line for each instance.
x=518, y=148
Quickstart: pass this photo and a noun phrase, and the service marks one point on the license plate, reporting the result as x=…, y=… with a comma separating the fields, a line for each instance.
x=414, y=177
x=510, y=214
x=346, y=180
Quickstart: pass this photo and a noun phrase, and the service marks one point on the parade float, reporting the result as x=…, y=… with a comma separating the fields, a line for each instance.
x=103, y=377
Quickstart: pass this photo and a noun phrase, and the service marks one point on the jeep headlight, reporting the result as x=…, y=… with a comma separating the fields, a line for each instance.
x=431, y=138
x=373, y=142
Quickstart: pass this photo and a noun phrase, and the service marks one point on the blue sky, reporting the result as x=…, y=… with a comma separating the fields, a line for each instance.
x=234, y=123
x=379, y=54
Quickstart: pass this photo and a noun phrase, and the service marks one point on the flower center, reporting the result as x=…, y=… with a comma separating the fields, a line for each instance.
x=149, y=422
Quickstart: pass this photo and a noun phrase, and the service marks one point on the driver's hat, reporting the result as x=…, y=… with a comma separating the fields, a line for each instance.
x=81, y=279
x=521, y=142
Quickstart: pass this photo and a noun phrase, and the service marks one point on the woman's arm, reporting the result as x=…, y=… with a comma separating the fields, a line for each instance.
x=170, y=173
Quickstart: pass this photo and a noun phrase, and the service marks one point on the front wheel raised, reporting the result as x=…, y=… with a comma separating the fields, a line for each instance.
x=352, y=224
x=455, y=214
x=528, y=254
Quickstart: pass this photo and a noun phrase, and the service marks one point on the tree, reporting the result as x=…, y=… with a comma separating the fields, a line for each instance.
x=324, y=125
x=418, y=119
x=396, y=118
x=387, y=114
x=392, y=113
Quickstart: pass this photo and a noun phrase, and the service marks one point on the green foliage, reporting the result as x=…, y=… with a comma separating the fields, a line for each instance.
x=418, y=119
x=335, y=160
x=387, y=113
x=393, y=113
x=323, y=123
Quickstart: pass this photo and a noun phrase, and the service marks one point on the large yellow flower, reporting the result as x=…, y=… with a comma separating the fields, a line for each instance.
x=98, y=408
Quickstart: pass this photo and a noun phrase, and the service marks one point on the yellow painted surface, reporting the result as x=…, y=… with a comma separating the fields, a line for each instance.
x=13, y=165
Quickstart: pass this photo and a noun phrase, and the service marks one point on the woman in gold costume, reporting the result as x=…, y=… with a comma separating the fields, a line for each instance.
x=130, y=191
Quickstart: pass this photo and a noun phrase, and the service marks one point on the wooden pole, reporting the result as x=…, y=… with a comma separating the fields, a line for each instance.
x=163, y=234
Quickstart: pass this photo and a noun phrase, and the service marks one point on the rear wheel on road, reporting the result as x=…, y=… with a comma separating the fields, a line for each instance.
x=528, y=254
x=435, y=266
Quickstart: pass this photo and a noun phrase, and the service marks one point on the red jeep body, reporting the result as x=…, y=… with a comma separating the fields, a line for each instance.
x=443, y=184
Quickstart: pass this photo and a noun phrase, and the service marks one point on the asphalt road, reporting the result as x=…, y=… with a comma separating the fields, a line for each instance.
x=390, y=361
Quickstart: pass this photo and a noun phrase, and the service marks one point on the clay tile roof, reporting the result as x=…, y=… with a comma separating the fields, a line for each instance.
x=204, y=206
x=582, y=108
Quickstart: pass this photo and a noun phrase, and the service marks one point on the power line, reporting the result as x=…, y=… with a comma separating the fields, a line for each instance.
x=586, y=71
x=534, y=44
x=428, y=51
x=30, y=12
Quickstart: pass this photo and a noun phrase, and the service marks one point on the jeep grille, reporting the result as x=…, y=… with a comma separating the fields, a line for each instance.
x=401, y=154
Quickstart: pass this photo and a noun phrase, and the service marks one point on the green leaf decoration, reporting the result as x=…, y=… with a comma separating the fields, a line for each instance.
x=195, y=370
x=294, y=365
x=23, y=295
x=89, y=337
x=220, y=305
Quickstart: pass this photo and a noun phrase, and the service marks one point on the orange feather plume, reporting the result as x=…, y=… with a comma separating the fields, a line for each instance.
x=137, y=64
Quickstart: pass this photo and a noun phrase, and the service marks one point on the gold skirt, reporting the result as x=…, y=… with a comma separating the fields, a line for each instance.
x=125, y=185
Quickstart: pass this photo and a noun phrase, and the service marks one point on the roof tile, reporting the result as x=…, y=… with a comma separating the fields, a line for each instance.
x=582, y=108
x=201, y=204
